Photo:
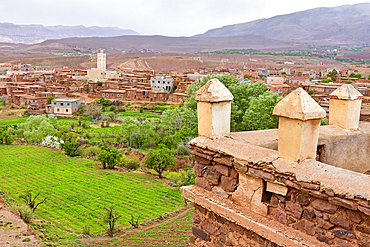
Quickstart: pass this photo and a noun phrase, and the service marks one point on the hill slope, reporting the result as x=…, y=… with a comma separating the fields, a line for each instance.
x=31, y=34
x=343, y=24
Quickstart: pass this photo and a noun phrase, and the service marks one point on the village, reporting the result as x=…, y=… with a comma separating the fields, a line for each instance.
x=25, y=85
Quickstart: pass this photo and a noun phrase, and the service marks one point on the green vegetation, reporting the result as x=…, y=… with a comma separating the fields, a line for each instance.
x=160, y=159
x=78, y=189
x=173, y=232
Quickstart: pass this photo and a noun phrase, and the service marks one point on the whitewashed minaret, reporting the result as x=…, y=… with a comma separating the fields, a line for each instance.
x=102, y=61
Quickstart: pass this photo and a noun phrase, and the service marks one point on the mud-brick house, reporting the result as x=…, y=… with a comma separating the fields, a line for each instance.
x=113, y=94
x=300, y=185
x=64, y=107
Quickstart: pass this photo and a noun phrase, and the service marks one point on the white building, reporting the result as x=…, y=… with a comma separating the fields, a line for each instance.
x=102, y=61
x=161, y=83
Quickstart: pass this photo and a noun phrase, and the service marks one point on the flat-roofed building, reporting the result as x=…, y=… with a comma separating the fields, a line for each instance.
x=65, y=106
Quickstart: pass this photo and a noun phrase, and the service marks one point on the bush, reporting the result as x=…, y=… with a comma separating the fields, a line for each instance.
x=129, y=163
x=86, y=230
x=181, y=151
x=112, y=108
x=52, y=142
x=121, y=109
x=181, y=178
x=26, y=213
x=150, y=145
x=11, y=113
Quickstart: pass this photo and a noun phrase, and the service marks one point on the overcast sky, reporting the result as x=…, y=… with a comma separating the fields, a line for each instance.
x=149, y=17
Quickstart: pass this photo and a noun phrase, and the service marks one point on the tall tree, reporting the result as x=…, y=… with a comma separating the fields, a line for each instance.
x=160, y=159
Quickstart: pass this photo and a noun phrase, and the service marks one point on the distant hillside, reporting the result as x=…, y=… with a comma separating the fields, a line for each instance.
x=166, y=44
x=344, y=24
x=30, y=34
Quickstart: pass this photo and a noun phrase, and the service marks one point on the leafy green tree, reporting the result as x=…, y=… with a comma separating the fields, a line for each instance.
x=354, y=75
x=37, y=127
x=184, y=135
x=160, y=159
x=109, y=157
x=87, y=88
x=259, y=116
x=71, y=148
x=6, y=137
x=333, y=75
x=175, y=119
x=50, y=98
x=100, y=83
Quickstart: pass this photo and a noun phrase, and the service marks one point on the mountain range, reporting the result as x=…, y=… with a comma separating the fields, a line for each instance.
x=344, y=24
x=30, y=34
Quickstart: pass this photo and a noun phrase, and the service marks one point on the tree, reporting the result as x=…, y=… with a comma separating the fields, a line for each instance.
x=50, y=98
x=87, y=88
x=94, y=110
x=5, y=136
x=160, y=159
x=353, y=75
x=109, y=157
x=175, y=119
x=333, y=75
x=110, y=217
x=100, y=83
x=259, y=116
x=37, y=127
x=30, y=200
x=71, y=148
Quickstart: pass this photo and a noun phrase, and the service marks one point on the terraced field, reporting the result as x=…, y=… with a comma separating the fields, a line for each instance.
x=78, y=188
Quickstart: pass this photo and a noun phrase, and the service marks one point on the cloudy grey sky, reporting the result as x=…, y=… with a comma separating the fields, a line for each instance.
x=149, y=17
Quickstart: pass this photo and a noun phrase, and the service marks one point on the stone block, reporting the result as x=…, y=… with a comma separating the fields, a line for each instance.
x=202, y=183
x=342, y=243
x=249, y=194
x=202, y=160
x=308, y=214
x=240, y=167
x=261, y=174
x=364, y=210
x=323, y=239
x=280, y=216
x=212, y=175
x=343, y=203
x=324, y=224
x=363, y=229
x=295, y=209
x=276, y=188
x=302, y=200
x=227, y=161
x=310, y=186
x=224, y=170
x=199, y=233
x=343, y=234
x=210, y=228
x=198, y=169
x=353, y=216
x=228, y=183
x=340, y=222
x=325, y=206
x=305, y=226
x=274, y=201
x=220, y=192
x=233, y=173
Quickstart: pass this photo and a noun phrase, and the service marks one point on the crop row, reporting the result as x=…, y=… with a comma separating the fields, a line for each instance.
x=78, y=189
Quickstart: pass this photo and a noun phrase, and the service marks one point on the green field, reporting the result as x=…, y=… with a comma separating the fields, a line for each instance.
x=78, y=188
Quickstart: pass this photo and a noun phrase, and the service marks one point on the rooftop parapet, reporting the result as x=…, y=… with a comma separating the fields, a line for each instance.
x=299, y=122
x=214, y=109
x=345, y=107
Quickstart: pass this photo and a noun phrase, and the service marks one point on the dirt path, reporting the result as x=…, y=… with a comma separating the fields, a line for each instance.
x=13, y=231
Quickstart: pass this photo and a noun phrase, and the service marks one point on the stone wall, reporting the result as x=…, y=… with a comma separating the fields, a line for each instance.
x=210, y=229
x=324, y=214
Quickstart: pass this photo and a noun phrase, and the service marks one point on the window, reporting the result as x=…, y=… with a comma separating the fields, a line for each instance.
x=107, y=94
x=61, y=104
x=66, y=110
x=103, y=94
x=68, y=104
x=57, y=109
x=117, y=95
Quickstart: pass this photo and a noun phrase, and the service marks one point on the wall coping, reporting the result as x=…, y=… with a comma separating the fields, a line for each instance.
x=342, y=182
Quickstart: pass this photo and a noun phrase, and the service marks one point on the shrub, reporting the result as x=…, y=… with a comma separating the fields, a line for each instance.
x=110, y=218
x=121, y=109
x=130, y=163
x=10, y=113
x=181, y=178
x=181, y=151
x=52, y=142
x=133, y=222
x=112, y=108
x=25, y=212
x=150, y=145
x=23, y=106
x=86, y=230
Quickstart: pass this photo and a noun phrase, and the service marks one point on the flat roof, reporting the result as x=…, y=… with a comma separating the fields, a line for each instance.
x=66, y=99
